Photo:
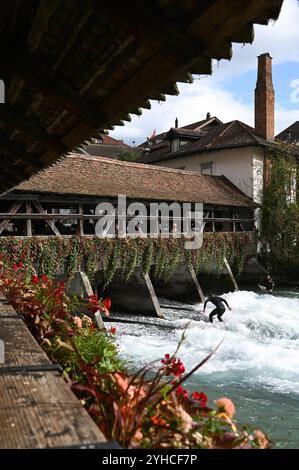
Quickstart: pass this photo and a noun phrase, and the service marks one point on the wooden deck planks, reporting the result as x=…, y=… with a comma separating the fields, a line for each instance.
x=37, y=409
x=21, y=349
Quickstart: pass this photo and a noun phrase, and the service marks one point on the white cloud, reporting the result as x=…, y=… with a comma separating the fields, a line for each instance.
x=192, y=105
x=208, y=94
x=285, y=117
x=295, y=92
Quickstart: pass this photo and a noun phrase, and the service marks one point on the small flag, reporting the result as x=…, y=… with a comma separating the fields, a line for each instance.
x=153, y=134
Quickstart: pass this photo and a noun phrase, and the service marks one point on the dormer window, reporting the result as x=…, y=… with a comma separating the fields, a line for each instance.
x=175, y=145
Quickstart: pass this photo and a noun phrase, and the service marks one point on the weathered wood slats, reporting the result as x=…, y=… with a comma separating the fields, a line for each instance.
x=37, y=409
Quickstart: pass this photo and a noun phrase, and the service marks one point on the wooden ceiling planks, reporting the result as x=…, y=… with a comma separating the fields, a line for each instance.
x=75, y=68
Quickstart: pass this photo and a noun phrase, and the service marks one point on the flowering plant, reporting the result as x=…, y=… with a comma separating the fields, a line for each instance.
x=150, y=409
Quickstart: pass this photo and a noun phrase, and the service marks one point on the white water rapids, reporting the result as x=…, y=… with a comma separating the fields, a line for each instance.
x=257, y=364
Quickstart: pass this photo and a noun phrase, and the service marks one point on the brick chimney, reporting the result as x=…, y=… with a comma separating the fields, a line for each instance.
x=264, y=98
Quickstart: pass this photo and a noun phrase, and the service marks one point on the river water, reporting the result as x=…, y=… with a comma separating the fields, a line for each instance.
x=257, y=365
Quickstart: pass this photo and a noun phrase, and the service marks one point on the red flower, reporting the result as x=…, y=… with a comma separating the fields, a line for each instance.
x=201, y=398
x=107, y=303
x=181, y=392
x=44, y=278
x=35, y=279
x=166, y=359
x=178, y=368
x=15, y=267
x=93, y=305
x=20, y=264
x=113, y=330
x=173, y=366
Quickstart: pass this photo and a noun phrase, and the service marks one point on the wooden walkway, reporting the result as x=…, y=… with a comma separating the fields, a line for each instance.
x=37, y=408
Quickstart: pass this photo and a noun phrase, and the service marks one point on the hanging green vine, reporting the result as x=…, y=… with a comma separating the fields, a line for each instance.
x=160, y=256
x=148, y=256
x=112, y=263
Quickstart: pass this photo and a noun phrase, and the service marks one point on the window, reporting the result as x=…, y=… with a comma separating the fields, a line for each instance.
x=175, y=145
x=206, y=168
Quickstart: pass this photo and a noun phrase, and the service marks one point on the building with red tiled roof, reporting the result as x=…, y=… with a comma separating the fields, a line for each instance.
x=160, y=143
x=83, y=175
x=106, y=146
x=234, y=149
x=290, y=135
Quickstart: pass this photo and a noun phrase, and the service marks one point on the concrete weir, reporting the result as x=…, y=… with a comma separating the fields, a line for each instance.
x=183, y=286
x=135, y=296
x=140, y=293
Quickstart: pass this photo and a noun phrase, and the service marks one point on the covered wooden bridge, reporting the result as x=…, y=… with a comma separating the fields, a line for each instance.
x=74, y=68
x=61, y=201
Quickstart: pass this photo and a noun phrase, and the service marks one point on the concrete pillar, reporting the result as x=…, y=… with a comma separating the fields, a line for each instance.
x=136, y=296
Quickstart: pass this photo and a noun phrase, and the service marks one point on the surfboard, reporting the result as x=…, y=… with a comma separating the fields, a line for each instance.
x=202, y=317
x=263, y=288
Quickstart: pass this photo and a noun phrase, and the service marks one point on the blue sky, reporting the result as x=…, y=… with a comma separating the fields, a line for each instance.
x=229, y=92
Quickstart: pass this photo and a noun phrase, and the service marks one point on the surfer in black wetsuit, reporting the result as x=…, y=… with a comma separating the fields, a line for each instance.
x=219, y=304
x=269, y=283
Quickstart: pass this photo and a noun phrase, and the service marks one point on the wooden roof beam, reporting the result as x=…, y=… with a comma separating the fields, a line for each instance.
x=25, y=65
x=245, y=35
x=152, y=76
x=148, y=23
x=227, y=15
x=16, y=153
x=171, y=89
x=16, y=118
x=45, y=10
x=185, y=78
x=158, y=97
x=146, y=104
x=9, y=11
x=7, y=170
x=8, y=179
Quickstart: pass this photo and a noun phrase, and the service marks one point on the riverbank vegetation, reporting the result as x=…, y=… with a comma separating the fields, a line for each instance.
x=280, y=220
x=151, y=409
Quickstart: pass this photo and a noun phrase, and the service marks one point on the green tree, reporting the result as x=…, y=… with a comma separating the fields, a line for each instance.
x=128, y=156
x=280, y=222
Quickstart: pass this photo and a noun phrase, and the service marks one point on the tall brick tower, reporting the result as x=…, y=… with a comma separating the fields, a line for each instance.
x=264, y=98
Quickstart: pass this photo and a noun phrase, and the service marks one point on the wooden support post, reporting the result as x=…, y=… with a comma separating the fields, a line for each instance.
x=86, y=286
x=80, y=286
x=49, y=222
x=153, y=295
x=28, y=221
x=213, y=222
x=81, y=221
x=234, y=223
x=196, y=283
x=226, y=263
x=241, y=225
x=12, y=210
